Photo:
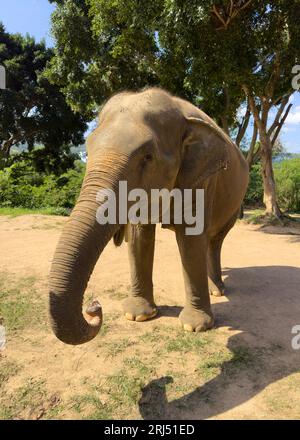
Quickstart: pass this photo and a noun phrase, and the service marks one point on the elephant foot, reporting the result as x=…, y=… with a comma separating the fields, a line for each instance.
x=193, y=320
x=139, y=309
x=216, y=289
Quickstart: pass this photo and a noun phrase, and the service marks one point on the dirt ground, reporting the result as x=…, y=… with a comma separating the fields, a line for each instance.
x=245, y=368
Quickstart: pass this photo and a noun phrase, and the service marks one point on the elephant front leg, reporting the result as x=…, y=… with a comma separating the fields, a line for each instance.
x=140, y=305
x=196, y=315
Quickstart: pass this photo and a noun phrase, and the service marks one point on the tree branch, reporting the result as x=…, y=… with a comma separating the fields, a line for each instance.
x=251, y=153
x=253, y=107
x=280, y=125
x=270, y=87
x=220, y=18
x=243, y=126
x=283, y=104
x=230, y=13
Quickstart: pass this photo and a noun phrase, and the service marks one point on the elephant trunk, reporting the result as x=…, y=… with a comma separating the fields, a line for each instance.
x=81, y=243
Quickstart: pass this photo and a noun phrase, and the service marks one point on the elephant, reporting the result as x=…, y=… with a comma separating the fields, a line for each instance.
x=150, y=139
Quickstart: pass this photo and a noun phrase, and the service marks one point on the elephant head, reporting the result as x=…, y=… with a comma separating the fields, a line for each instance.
x=151, y=140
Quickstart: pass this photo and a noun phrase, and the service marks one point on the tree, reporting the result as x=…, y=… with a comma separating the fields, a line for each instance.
x=216, y=53
x=32, y=110
x=249, y=46
x=103, y=46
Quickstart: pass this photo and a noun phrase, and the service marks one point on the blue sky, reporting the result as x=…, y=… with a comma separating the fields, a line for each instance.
x=27, y=16
x=33, y=17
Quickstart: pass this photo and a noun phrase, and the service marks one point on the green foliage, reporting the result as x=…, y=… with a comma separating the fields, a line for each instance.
x=255, y=192
x=22, y=186
x=103, y=46
x=32, y=110
x=287, y=175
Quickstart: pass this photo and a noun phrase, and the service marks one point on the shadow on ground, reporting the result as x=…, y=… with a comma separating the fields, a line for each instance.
x=263, y=304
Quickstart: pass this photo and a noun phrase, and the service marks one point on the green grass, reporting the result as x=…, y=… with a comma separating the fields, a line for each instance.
x=124, y=389
x=113, y=348
x=8, y=369
x=141, y=368
x=92, y=404
x=16, y=212
x=258, y=217
x=20, y=307
x=188, y=342
x=29, y=396
x=226, y=362
x=112, y=398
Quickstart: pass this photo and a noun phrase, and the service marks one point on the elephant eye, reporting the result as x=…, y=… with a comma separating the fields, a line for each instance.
x=148, y=157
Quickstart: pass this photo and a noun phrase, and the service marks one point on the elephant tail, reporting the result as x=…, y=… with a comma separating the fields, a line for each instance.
x=119, y=236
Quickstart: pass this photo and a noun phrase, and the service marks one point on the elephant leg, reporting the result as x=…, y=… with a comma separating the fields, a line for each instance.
x=196, y=314
x=216, y=285
x=140, y=305
x=215, y=282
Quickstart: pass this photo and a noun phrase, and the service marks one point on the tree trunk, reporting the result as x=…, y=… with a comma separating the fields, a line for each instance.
x=6, y=147
x=270, y=199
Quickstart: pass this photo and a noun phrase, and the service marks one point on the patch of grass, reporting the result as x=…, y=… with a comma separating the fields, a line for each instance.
x=124, y=389
x=258, y=217
x=97, y=410
x=283, y=397
x=114, y=397
x=142, y=369
x=18, y=314
x=28, y=397
x=114, y=348
x=154, y=336
x=53, y=413
x=18, y=306
x=226, y=362
x=108, y=323
x=179, y=384
x=16, y=212
x=115, y=293
x=212, y=367
x=8, y=369
x=188, y=342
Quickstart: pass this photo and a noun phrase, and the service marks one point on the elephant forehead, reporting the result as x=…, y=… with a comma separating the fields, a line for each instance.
x=151, y=105
x=121, y=134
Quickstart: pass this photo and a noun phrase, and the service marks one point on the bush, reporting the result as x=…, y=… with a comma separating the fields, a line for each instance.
x=255, y=192
x=287, y=175
x=22, y=186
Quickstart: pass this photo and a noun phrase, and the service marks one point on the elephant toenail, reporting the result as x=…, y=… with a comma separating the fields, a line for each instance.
x=188, y=328
x=217, y=293
x=144, y=317
x=129, y=316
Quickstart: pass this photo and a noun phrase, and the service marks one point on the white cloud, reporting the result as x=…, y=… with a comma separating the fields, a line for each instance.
x=292, y=147
x=289, y=129
x=294, y=116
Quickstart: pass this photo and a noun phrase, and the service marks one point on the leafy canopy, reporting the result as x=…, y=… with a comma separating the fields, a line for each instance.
x=32, y=110
x=203, y=50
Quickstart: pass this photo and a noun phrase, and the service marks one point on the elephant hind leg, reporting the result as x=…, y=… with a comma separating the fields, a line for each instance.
x=215, y=282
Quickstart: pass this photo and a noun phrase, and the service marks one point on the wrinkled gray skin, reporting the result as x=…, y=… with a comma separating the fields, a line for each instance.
x=152, y=140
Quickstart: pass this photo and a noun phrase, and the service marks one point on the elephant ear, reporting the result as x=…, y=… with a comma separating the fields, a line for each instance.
x=204, y=152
